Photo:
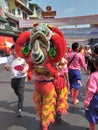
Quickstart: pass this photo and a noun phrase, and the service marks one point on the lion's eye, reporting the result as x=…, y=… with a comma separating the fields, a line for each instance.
x=44, y=31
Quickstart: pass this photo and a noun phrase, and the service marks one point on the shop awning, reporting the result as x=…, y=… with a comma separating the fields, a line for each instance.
x=6, y=42
x=3, y=19
x=7, y=33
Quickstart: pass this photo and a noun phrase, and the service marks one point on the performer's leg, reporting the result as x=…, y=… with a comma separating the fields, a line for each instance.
x=48, y=109
x=61, y=103
x=71, y=92
x=75, y=95
x=45, y=128
x=58, y=118
x=62, y=96
x=38, y=102
x=92, y=126
x=44, y=98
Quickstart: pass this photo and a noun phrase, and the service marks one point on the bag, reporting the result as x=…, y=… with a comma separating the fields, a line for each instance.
x=71, y=60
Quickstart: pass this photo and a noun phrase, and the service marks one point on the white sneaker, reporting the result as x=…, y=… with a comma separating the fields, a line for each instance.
x=77, y=101
x=19, y=113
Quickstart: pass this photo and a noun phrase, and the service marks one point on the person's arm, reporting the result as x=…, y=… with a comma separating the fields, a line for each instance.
x=91, y=89
x=67, y=80
x=26, y=67
x=89, y=96
x=82, y=62
x=7, y=65
x=64, y=71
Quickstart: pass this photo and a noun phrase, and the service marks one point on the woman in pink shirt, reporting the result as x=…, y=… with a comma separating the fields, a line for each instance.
x=75, y=62
x=91, y=98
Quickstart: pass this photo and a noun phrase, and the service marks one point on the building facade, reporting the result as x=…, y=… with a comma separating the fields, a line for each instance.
x=11, y=11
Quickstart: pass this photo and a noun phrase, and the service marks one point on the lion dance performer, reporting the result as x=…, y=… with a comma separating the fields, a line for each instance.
x=61, y=86
x=43, y=48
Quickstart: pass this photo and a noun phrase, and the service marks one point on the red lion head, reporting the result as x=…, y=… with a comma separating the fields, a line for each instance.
x=44, y=45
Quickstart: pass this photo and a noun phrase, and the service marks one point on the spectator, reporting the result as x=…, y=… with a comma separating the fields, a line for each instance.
x=91, y=67
x=75, y=62
x=18, y=68
x=91, y=98
x=87, y=54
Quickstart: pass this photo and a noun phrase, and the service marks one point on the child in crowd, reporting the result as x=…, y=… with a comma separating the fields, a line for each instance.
x=91, y=98
x=75, y=62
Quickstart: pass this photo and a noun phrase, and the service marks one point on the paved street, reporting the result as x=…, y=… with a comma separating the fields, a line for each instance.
x=74, y=120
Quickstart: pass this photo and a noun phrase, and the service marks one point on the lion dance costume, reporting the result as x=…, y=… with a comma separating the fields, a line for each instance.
x=43, y=48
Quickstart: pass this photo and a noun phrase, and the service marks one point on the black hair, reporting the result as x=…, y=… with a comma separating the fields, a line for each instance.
x=12, y=47
x=75, y=45
x=15, y=38
x=96, y=60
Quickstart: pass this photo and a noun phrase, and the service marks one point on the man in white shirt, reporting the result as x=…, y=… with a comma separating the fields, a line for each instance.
x=18, y=68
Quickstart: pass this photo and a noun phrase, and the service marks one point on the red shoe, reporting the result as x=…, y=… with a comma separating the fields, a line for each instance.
x=70, y=94
x=75, y=102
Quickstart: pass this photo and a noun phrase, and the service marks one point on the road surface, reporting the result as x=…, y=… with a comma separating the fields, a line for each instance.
x=74, y=120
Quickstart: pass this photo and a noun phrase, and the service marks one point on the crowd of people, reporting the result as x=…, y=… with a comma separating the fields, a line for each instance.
x=89, y=61
x=52, y=89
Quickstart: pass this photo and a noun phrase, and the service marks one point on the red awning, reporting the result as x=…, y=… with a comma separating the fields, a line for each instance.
x=6, y=42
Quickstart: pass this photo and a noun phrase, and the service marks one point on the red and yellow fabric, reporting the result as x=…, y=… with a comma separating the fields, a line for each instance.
x=62, y=95
x=44, y=97
x=61, y=102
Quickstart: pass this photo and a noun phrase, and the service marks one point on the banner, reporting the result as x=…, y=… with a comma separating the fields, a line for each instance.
x=11, y=4
x=78, y=20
